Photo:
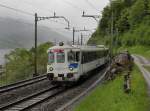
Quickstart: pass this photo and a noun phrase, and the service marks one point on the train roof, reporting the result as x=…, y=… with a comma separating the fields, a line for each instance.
x=91, y=48
x=63, y=47
x=79, y=47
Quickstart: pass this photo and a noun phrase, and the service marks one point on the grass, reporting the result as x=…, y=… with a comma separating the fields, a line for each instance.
x=147, y=67
x=111, y=97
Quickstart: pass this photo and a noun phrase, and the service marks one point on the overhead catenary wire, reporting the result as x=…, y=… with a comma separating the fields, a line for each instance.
x=73, y=5
x=28, y=23
x=17, y=10
x=91, y=5
x=78, y=8
x=40, y=9
x=28, y=13
x=67, y=2
x=44, y=11
x=36, y=6
x=20, y=21
x=31, y=14
x=25, y=12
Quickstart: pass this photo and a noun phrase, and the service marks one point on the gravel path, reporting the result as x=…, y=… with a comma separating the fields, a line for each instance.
x=141, y=61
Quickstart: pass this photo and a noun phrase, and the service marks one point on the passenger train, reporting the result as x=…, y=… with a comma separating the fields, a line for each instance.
x=69, y=63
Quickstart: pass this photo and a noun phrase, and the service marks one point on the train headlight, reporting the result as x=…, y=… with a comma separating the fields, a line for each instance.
x=51, y=69
x=70, y=68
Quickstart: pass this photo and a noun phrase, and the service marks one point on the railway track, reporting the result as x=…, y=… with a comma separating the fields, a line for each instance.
x=37, y=99
x=32, y=100
x=68, y=98
x=22, y=84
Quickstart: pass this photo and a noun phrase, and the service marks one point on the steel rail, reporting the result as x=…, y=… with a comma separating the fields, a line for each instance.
x=22, y=83
x=28, y=98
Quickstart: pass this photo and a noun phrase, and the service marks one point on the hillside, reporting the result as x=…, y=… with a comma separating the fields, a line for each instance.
x=131, y=24
x=14, y=34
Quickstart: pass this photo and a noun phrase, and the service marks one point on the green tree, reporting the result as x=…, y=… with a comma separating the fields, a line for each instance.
x=131, y=19
x=43, y=57
x=123, y=23
x=137, y=12
x=20, y=63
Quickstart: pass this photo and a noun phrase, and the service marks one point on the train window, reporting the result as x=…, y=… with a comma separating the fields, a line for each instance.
x=94, y=55
x=60, y=57
x=51, y=57
x=104, y=53
x=91, y=56
x=97, y=54
x=101, y=53
x=77, y=56
x=86, y=57
x=83, y=58
x=73, y=56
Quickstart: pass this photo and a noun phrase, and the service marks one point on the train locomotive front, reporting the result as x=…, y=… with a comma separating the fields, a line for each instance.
x=63, y=64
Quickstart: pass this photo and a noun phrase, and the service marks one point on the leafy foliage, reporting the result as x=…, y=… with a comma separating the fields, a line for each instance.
x=131, y=19
x=20, y=63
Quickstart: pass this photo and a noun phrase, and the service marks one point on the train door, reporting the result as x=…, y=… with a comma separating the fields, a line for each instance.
x=82, y=63
x=74, y=60
x=73, y=56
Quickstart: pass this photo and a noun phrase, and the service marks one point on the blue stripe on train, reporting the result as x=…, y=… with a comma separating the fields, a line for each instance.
x=73, y=65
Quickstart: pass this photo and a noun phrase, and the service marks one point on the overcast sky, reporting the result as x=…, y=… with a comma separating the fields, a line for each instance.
x=71, y=9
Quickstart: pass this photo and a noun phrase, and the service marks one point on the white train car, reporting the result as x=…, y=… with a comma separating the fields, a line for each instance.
x=68, y=63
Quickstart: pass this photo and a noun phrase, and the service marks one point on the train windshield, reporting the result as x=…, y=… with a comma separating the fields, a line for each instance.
x=51, y=57
x=60, y=57
x=73, y=56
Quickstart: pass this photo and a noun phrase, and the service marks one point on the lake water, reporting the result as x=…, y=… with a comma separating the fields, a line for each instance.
x=2, y=54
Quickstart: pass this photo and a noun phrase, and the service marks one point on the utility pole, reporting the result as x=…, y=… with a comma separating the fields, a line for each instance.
x=117, y=39
x=111, y=36
x=112, y=31
x=91, y=16
x=81, y=39
x=73, y=34
x=74, y=30
x=78, y=40
x=35, y=53
x=37, y=18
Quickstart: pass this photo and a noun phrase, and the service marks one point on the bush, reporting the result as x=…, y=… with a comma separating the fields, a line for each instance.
x=20, y=63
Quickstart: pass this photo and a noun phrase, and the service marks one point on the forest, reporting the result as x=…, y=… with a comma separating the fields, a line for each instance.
x=20, y=63
x=127, y=20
